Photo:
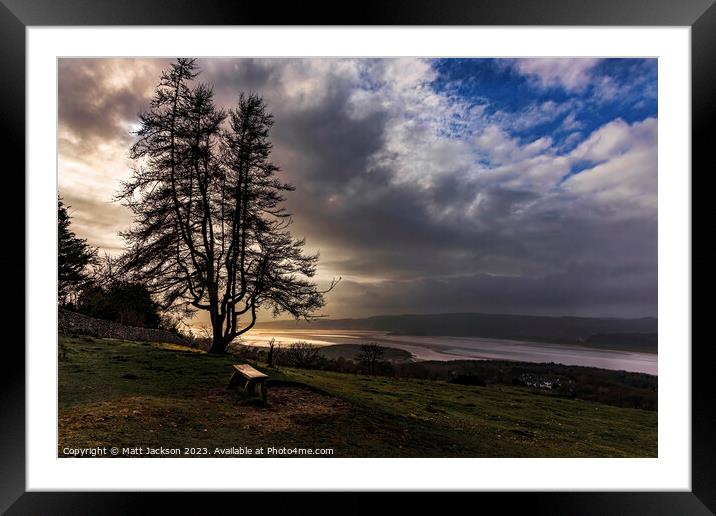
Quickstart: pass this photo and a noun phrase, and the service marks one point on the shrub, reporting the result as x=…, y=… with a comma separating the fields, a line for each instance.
x=468, y=379
x=126, y=303
x=302, y=354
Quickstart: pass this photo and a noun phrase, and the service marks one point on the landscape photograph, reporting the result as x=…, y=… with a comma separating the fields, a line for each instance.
x=357, y=257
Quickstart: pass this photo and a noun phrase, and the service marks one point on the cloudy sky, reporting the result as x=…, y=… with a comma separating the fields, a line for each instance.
x=429, y=186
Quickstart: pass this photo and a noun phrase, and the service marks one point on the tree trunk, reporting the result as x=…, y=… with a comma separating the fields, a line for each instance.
x=218, y=343
x=218, y=347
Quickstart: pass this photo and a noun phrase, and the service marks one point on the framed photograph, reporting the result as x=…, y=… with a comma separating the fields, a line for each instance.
x=415, y=249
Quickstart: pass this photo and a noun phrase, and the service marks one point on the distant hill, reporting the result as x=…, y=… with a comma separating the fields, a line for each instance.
x=573, y=330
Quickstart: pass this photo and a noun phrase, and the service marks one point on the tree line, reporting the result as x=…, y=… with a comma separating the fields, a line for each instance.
x=90, y=284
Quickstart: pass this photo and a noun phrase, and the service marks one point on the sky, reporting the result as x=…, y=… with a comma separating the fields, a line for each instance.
x=522, y=186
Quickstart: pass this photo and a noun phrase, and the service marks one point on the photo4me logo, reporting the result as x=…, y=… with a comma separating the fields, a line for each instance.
x=271, y=451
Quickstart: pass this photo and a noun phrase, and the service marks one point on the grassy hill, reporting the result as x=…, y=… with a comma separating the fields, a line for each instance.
x=128, y=394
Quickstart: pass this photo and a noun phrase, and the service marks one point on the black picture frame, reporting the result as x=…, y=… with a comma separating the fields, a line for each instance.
x=700, y=15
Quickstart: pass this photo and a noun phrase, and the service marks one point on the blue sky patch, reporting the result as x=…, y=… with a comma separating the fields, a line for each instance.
x=527, y=108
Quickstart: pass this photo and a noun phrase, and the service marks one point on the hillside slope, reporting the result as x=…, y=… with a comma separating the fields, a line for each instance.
x=130, y=394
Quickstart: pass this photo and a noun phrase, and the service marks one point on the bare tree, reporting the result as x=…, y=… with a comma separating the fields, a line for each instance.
x=370, y=354
x=303, y=354
x=209, y=230
x=273, y=351
x=106, y=270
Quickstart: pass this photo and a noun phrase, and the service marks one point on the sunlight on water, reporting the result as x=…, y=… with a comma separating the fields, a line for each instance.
x=461, y=348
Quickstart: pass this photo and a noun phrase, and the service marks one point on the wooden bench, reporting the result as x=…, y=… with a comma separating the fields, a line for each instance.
x=251, y=378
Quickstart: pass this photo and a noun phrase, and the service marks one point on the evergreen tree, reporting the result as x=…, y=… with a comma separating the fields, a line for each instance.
x=209, y=230
x=74, y=257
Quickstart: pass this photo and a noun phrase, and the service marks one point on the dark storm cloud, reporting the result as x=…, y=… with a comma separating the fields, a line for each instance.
x=230, y=76
x=414, y=222
x=101, y=97
x=575, y=292
x=330, y=149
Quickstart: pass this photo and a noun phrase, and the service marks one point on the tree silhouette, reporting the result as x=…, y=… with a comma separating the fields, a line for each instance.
x=73, y=257
x=209, y=230
x=122, y=302
x=370, y=354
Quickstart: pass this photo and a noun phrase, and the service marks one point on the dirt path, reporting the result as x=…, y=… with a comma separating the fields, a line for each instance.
x=218, y=414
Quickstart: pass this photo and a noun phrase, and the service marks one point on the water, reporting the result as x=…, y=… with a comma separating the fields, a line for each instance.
x=461, y=348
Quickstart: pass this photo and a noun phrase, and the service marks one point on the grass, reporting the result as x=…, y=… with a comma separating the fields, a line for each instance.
x=351, y=351
x=128, y=394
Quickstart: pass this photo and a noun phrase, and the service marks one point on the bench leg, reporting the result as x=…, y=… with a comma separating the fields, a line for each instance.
x=234, y=380
x=262, y=385
x=251, y=387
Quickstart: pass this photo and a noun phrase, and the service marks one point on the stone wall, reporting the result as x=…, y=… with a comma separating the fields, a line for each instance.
x=73, y=323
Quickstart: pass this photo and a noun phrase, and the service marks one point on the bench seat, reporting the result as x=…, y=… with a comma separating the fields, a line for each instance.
x=252, y=379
